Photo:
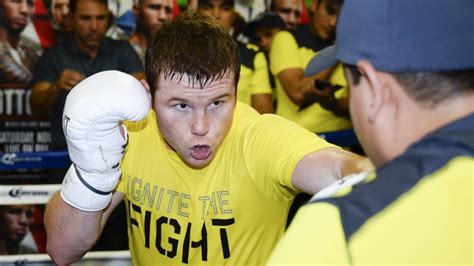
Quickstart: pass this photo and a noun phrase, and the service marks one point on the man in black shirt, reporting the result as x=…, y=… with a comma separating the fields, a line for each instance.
x=86, y=52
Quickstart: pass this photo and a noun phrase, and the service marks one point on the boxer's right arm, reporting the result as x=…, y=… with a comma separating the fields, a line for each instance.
x=72, y=232
x=96, y=141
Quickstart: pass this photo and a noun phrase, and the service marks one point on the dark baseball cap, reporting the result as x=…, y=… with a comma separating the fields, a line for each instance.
x=265, y=20
x=402, y=36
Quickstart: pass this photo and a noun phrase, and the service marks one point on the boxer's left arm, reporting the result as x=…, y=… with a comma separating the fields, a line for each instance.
x=322, y=168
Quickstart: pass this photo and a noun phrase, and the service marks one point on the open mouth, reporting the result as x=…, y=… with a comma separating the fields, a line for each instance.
x=201, y=152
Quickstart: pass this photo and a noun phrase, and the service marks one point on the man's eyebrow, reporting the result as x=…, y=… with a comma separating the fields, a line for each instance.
x=184, y=100
x=178, y=99
x=223, y=95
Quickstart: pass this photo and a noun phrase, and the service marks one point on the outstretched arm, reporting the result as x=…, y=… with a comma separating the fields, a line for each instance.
x=322, y=168
x=72, y=232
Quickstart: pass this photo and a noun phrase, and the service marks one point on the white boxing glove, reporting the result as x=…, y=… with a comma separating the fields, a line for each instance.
x=92, y=125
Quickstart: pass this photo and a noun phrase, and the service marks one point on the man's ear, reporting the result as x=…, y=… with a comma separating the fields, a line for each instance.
x=379, y=93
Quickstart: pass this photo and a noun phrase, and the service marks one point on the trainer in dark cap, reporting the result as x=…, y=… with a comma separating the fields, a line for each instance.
x=410, y=67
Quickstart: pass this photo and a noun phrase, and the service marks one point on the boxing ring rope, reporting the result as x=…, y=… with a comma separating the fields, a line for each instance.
x=40, y=194
x=113, y=258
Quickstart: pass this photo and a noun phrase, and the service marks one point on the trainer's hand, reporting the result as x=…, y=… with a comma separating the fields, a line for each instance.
x=68, y=79
x=91, y=124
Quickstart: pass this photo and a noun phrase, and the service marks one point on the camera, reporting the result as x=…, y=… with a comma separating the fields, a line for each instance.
x=323, y=84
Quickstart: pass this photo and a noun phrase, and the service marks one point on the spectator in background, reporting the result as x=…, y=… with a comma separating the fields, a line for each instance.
x=150, y=15
x=15, y=223
x=254, y=84
x=61, y=18
x=247, y=10
x=318, y=110
x=288, y=10
x=86, y=52
x=224, y=12
x=261, y=31
x=17, y=56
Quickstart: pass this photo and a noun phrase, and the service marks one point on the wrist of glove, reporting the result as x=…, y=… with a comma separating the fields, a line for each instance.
x=95, y=172
x=88, y=191
x=339, y=185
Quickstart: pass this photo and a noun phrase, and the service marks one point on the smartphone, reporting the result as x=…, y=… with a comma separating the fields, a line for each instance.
x=321, y=84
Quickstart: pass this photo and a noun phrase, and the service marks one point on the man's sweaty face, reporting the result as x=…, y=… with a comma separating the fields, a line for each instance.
x=193, y=120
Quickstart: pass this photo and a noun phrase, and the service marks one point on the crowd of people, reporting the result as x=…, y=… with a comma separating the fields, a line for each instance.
x=168, y=127
x=268, y=81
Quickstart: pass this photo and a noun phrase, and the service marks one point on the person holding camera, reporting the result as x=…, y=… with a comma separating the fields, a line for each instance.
x=316, y=108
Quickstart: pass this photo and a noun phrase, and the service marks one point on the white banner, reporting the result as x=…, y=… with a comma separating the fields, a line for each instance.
x=27, y=194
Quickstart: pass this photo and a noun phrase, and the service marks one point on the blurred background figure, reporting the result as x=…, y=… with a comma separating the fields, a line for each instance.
x=318, y=109
x=150, y=15
x=261, y=31
x=263, y=28
x=254, y=84
x=224, y=12
x=61, y=18
x=15, y=221
x=17, y=55
x=83, y=53
x=247, y=9
x=289, y=10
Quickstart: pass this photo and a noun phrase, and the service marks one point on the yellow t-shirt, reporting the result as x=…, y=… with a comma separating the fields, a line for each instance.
x=231, y=212
x=254, y=78
x=417, y=211
x=287, y=53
